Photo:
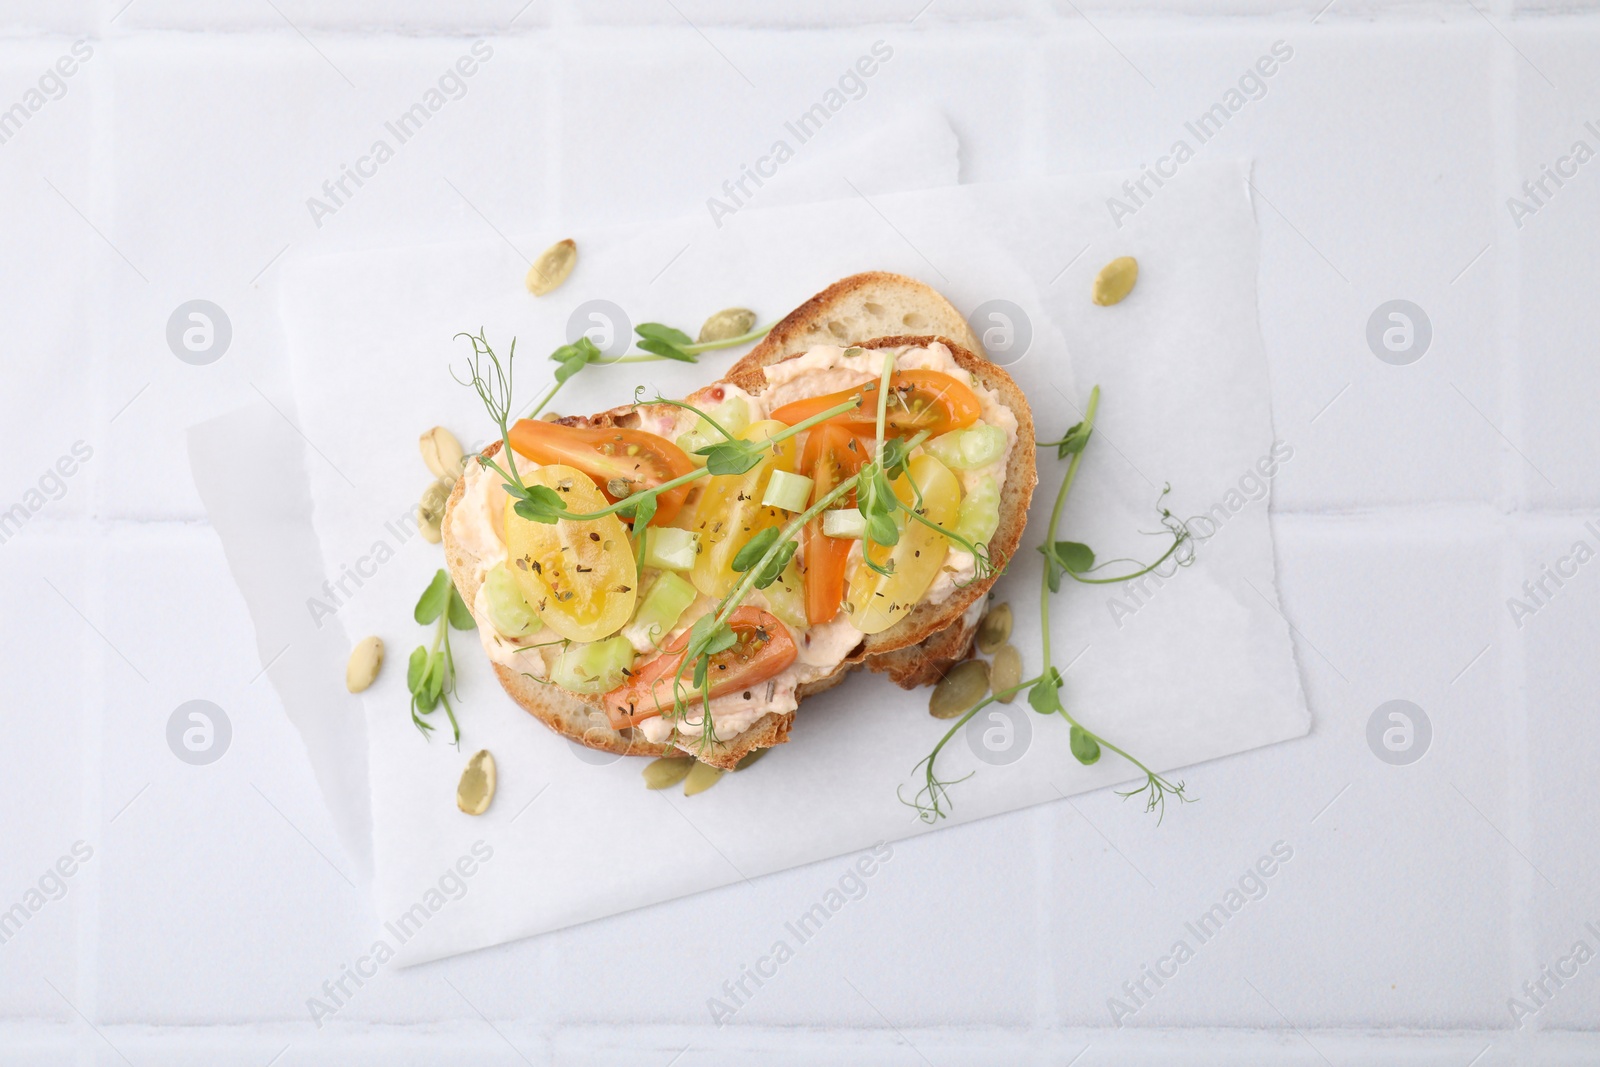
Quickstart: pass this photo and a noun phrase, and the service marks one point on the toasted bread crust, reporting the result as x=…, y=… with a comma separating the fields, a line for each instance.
x=916, y=651
x=858, y=308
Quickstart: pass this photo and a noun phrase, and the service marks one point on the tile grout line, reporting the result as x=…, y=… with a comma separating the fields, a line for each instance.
x=1503, y=108
x=102, y=198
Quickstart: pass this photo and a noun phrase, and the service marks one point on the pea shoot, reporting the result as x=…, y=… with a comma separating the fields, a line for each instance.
x=1044, y=690
x=431, y=673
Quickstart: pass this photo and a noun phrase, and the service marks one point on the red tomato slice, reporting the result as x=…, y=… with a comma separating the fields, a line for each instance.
x=610, y=456
x=763, y=649
x=918, y=400
x=832, y=454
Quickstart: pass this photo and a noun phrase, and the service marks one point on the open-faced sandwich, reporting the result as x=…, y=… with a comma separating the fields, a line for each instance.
x=843, y=498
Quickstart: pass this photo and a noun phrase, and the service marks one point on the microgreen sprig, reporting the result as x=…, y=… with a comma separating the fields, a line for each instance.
x=494, y=387
x=431, y=672
x=1044, y=690
x=666, y=342
x=1076, y=560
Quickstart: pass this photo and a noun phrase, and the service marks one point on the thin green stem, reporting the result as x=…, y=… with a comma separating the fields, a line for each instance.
x=795, y=525
x=694, y=349
x=728, y=342
x=549, y=395
x=934, y=790
x=819, y=417
x=1055, y=521
x=883, y=398
x=726, y=436
x=629, y=501
x=1127, y=577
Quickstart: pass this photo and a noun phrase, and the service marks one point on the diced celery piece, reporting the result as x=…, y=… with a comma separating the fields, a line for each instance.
x=509, y=610
x=980, y=511
x=670, y=549
x=976, y=446
x=847, y=523
x=733, y=414
x=787, y=597
x=791, y=492
x=593, y=667
x=659, y=611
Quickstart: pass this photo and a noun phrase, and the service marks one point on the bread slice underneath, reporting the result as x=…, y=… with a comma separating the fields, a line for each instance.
x=915, y=651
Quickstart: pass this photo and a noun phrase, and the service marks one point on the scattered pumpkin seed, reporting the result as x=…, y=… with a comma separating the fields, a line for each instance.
x=666, y=771
x=552, y=267
x=476, y=790
x=994, y=629
x=750, y=757
x=365, y=659
x=430, y=509
x=1006, y=671
x=1115, y=280
x=442, y=453
x=958, y=690
x=702, y=776
x=729, y=322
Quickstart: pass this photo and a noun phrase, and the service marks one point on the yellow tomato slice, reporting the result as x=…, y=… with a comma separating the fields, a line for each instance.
x=579, y=575
x=876, y=602
x=730, y=511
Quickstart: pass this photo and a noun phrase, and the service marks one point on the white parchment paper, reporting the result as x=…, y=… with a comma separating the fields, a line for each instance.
x=1193, y=667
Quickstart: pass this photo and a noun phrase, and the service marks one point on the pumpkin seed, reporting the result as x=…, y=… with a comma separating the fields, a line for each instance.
x=994, y=629
x=430, y=509
x=1006, y=672
x=702, y=776
x=958, y=690
x=666, y=771
x=476, y=789
x=365, y=659
x=552, y=267
x=442, y=453
x=750, y=757
x=1115, y=280
x=549, y=416
x=729, y=322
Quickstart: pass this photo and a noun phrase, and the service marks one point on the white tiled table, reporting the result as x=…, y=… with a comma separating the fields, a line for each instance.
x=177, y=164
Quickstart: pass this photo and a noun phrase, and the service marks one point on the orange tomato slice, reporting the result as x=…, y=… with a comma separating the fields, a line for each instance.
x=614, y=457
x=832, y=454
x=918, y=400
x=763, y=648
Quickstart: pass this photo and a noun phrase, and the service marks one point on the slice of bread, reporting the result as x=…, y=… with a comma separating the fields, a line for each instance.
x=915, y=651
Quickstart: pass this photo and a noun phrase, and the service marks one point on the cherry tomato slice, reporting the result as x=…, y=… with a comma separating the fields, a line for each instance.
x=831, y=455
x=763, y=649
x=918, y=400
x=616, y=458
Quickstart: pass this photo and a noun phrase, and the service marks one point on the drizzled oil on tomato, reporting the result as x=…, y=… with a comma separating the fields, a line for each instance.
x=762, y=649
x=621, y=461
x=918, y=400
